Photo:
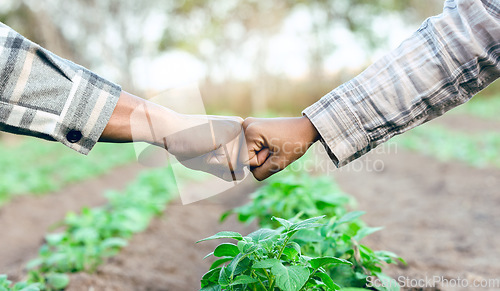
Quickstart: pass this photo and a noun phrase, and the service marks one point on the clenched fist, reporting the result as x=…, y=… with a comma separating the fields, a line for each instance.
x=274, y=143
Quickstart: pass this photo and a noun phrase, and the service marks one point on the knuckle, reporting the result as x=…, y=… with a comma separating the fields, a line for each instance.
x=239, y=119
x=248, y=121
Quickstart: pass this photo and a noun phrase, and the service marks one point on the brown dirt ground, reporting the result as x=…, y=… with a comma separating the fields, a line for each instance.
x=26, y=219
x=441, y=217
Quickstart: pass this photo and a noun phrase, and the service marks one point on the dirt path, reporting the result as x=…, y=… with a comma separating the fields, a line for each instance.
x=165, y=256
x=441, y=217
x=467, y=124
x=26, y=219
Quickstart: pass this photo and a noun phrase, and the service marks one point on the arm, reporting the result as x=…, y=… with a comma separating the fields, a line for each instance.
x=449, y=59
x=45, y=96
x=206, y=143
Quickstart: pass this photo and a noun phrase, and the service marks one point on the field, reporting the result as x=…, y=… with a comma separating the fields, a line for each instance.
x=435, y=191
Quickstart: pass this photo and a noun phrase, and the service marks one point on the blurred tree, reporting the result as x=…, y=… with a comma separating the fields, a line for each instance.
x=108, y=35
x=37, y=27
x=228, y=27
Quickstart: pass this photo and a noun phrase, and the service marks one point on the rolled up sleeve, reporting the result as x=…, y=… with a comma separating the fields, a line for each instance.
x=450, y=58
x=49, y=97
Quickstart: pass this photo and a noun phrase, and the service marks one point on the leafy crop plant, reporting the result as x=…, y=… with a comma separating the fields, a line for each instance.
x=268, y=260
x=297, y=196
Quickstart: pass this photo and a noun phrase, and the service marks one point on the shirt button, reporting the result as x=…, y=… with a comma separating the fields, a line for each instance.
x=74, y=136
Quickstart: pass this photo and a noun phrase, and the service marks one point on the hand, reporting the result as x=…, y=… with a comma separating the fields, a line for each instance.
x=275, y=143
x=207, y=143
x=213, y=144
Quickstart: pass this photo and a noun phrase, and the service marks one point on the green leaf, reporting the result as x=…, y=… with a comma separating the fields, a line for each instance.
x=328, y=281
x=294, y=245
x=208, y=255
x=54, y=238
x=290, y=253
x=388, y=257
x=365, y=231
x=211, y=287
x=243, y=279
x=308, y=223
x=226, y=215
x=224, y=277
x=287, y=224
x=86, y=234
x=267, y=263
x=351, y=216
x=57, y=280
x=290, y=278
x=317, y=263
x=388, y=283
x=231, y=268
x=224, y=234
x=219, y=262
x=211, y=276
x=23, y=286
x=226, y=250
x=114, y=242
x=247, y=247
x=3, y=279
x=261, y=234
x=33, y=263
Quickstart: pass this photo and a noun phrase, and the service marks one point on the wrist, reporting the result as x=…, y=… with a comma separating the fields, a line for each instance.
x=308, y=131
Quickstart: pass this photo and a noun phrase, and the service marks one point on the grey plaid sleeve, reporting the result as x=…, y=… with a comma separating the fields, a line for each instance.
x=49, y=97
x=450, y=58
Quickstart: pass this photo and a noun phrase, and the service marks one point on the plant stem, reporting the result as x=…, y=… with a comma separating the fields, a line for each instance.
x=272, y=286
x=271, y=281
x=283, y=248
x=264, y=287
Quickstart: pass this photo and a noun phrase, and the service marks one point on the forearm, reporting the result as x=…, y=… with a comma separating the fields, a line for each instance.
x=449, y=59
x=135, y=119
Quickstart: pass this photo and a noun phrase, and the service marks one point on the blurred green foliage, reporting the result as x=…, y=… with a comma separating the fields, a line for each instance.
x=482, y=106
x=479, y=150
x=294, y=195
x=97, y=233
x=289, y=195
x=6, y=285
x=36, y=167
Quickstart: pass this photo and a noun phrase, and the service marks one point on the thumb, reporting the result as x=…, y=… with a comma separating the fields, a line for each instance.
x=268, y=168
x=256, y=159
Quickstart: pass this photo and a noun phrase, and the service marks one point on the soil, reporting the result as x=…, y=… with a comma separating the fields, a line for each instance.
x=441, y=217
x=26, y=219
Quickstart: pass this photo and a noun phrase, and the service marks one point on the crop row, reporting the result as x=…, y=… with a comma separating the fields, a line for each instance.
x=477, y=150
x=35, y=166
x=308, y=241
x=97, y=233
x=486, y=108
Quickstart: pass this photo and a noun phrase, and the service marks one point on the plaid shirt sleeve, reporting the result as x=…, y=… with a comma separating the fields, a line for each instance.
x=450, y=58
x=46, y=96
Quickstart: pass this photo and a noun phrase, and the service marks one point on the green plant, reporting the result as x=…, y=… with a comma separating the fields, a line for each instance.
x=37, y=167
x=299, y=196
x=266, y=259
x=481, y=107
x=340, y=237
x=101, y=232
x=478, y=150
x=6, y=285
x=289, y=194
